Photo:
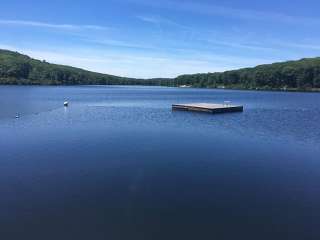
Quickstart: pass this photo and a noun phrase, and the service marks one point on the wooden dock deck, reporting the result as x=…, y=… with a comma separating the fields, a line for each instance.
x=208, y=107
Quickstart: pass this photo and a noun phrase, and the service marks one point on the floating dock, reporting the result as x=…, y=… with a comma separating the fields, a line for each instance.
x=208, y=107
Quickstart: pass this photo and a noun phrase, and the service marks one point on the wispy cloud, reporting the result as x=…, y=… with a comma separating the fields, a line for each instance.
x=229, y=12
x=51, y=25
x=245, y=46
x=247, y=14
x=120, y=44
x=161, y=21
x=149, y=19
x=303, y=46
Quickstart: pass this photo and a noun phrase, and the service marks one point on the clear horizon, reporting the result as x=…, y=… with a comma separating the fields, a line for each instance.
x=141, y=39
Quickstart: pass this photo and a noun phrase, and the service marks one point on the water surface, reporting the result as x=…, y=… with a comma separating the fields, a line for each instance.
x=119, y=164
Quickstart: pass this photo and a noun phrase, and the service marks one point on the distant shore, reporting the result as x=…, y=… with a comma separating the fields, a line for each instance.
x=312, y=90
x=292, y=76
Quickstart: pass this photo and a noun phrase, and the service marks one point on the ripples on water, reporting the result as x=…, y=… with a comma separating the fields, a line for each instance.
x=119, y=164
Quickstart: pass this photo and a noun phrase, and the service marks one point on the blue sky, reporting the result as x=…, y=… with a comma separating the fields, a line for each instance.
x=145, y=38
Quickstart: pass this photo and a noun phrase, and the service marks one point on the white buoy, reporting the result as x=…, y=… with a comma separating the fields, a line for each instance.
x=66, y=104
x=17, y=116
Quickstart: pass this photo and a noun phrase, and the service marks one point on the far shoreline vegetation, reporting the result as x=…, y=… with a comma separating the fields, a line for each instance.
x=301, y=75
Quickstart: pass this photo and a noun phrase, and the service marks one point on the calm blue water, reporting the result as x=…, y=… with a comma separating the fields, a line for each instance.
x=119, y=164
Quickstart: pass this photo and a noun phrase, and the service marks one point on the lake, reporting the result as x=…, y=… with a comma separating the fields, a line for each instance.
x=118, y=163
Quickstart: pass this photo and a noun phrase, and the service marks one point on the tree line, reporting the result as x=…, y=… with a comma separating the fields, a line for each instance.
x=295, y=75
x=18, y=69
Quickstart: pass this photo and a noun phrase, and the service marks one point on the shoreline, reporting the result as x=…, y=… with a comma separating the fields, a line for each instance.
x=316, y=90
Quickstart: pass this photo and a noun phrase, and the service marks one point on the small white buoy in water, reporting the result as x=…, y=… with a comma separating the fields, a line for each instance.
x=17, y=115
x=66, y=104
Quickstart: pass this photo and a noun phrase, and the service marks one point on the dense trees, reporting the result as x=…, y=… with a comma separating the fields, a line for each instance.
x=16, y=68
x=301, y=75
x=304, y=74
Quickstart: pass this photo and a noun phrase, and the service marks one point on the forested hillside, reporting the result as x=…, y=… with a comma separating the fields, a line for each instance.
x=19, y=69
x=304, y=74
x=295, y=75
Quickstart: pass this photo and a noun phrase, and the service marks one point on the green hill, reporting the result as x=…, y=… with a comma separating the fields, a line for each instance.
x=293, y=75
x=20, y=69
x=301, y=75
